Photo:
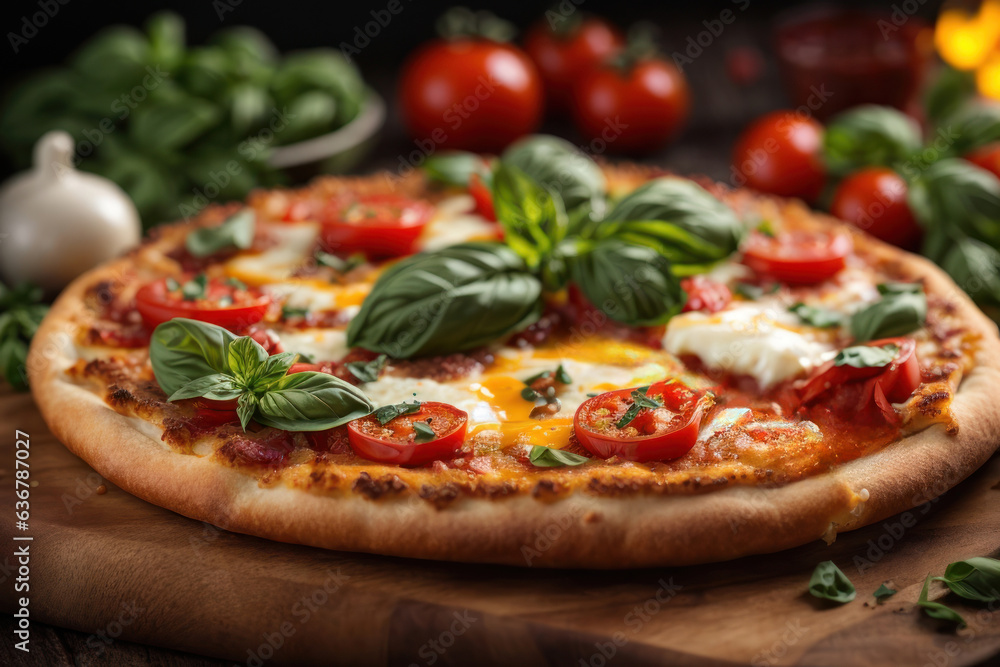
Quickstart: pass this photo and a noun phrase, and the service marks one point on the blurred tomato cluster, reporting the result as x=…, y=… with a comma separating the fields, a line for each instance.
x=470, y=89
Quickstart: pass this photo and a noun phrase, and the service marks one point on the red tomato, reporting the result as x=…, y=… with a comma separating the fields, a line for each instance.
x=470, y=94
x=224, y=304
x=797, y=258
x=874, y=200
x=631, y=111
x=987, y=157
x=377, y=225
x=395, y=442
x=883, y=385
x=780, y=154
x=659, y=434
x=562, y=56
x=484, y=198
x=705, y=294
x=300, y=210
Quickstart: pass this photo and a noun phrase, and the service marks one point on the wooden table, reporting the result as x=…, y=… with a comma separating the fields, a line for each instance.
x=120, y=570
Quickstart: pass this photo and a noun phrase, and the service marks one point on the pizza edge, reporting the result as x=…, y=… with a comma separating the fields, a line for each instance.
x=582, y=530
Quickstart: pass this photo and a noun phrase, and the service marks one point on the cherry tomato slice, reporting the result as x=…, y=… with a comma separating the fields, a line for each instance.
x=395, y=442
x=376, y=225
x=659, y=434
x=223, y=304
x=484, y=198
x=798, y=258
x=705, y=295
x=893, y=383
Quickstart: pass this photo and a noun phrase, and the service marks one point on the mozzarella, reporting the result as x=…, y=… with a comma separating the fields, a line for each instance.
x=319, y=344
x=454, y=223
x=293, y=246
x=759, y=339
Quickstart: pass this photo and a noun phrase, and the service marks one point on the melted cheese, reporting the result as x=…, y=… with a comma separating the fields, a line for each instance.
x=762, y=340
x=293, y=246
x=454, y=222
x=319, y=344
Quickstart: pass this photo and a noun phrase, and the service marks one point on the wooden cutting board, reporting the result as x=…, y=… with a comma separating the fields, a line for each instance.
x=111, y=563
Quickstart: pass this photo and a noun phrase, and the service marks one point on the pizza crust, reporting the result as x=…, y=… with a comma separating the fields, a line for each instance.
x=582, y=530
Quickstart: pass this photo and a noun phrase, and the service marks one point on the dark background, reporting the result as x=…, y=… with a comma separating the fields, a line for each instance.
x=720, y=107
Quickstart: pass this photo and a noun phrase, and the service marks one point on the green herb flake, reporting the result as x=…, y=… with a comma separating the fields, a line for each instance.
x=290, y=312
x=766, y=228
x=547, y=457
x=817, y=317
x=748, y=291
x=530, y=394
x=423, y=432
x=639, y=401
x=172, y=285
x=367, y=371
x=387, y=413
x=866, y=356
x=236, y=284
x=195, y=289
x=829, y=583
x=883, y=593
x=936, y=609
x=236, y=231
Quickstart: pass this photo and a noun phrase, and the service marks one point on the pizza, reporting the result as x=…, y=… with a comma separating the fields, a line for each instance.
x=535, y=359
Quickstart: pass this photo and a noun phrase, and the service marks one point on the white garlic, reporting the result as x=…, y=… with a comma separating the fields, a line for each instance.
x=57, y=222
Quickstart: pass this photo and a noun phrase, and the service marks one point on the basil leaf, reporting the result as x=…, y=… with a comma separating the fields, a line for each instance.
x=829, y=583
x=953, y=199
x=547, y=457
x=973, y=126
x=423, y=433
x=868, y=136
x=883, y=592
x=974, y=579
x=236, y=231
x=311, y=402
x=947, y=92
x=562, y=168
x=456, y=167
x=246, y=359
x=182, y=350
x=866, y=356
x=975, y=267
x=817, y=317
x=630, y=283
x=13, y=362
x=274, y=368
x=246, y=406
x=895, y=315
x=639, y=401
x=533, y=219
x=678, y=218
x=367, y=371
x=387, y=413
x=936, y=609
x=217, y=387
x=447, y=301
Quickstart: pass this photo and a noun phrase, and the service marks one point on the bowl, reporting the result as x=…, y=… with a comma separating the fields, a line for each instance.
x=336, y=152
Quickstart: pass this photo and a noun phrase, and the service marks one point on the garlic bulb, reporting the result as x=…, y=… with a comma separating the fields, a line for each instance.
x=57, y=222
